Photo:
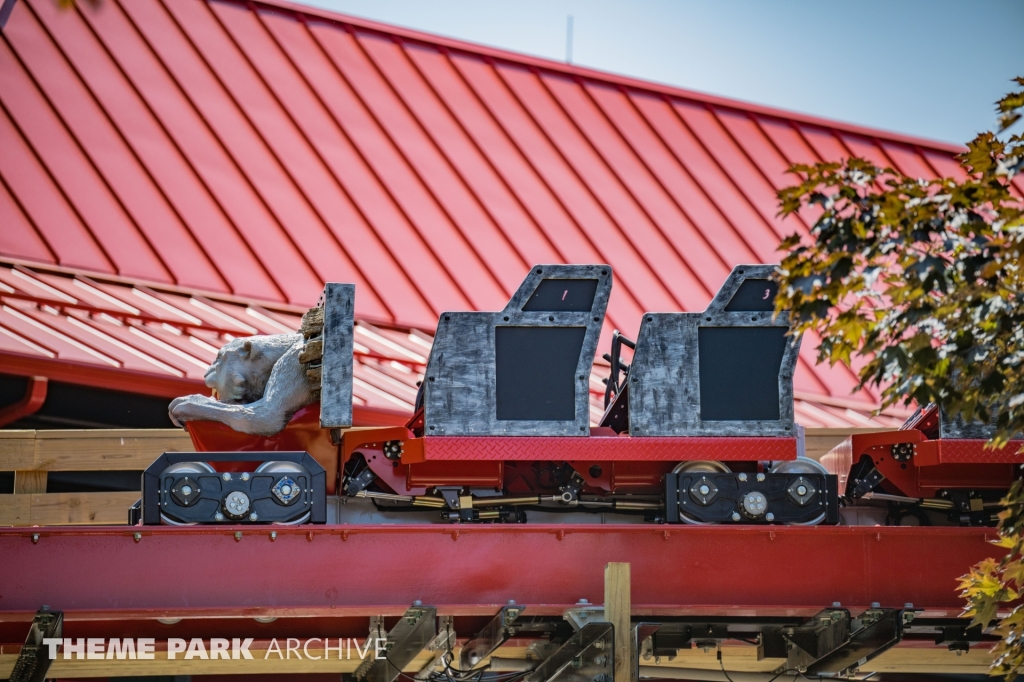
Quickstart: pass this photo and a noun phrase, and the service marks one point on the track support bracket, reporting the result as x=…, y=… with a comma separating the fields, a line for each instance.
x=587, y=656
x=492, y=636
x=413, y=633
x=33, y=662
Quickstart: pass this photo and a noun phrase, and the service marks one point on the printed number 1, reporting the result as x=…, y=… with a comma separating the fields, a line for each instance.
x=564, y=293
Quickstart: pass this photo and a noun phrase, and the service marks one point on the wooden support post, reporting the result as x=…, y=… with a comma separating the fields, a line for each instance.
x=617, y=609
x=29, y=481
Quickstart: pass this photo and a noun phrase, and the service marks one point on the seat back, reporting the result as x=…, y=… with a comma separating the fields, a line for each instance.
x=338, y=303
x=725, y=371
x=525, y=370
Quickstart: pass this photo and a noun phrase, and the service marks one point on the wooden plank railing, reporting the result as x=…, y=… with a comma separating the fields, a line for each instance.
x=31, y=455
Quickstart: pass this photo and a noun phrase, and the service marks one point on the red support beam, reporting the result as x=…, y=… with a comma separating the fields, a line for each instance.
x=338, y=568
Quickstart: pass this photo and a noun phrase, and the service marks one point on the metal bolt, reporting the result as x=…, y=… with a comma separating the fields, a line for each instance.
x=769, y=516
x=875, y=605
x=704, y=489
x=253, y=517
x=583, y=601
x=238, y=537
x=245, y=476
x=417, y=602
x=801, y=490
x=908, y=605
x=836, y=605
x=138, y=537
x=760, y=477
x=273, y=535
x=735, y=516
x=35, y=538
x=742, y=477
x=218, y=516
x=511, y=602
x=755, y=503
x=226, y=476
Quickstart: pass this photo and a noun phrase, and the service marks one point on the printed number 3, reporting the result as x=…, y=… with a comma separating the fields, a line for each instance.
x=767, y=293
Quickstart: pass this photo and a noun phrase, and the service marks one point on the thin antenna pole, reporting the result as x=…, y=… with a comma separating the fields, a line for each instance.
x=568, y=39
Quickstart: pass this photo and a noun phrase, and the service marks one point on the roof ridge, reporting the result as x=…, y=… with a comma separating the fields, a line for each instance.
x=621, y=80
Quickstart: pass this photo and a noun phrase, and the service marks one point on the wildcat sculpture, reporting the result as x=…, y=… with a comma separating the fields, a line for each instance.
x=258, y=384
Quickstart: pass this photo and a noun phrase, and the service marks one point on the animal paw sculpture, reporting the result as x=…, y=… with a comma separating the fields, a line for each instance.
x=258, y=383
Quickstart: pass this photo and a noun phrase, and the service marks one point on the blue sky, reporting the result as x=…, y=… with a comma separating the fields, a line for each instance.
x=931, y=68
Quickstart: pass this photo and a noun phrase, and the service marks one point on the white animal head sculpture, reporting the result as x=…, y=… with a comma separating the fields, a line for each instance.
x=258, y=383
x=240, y=372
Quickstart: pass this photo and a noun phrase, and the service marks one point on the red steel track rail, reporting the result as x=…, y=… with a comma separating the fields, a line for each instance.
x=336, y=569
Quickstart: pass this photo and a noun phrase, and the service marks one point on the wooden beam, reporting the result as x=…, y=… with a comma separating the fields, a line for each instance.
x=262, y=663
x=88, y=449
x=736, y=658
x=15, y=510
x=59, y=509
x=932, y=659
x=818, y=442
x=17, y=450
x=617, y=611
x=904, y=658
x=29, y=481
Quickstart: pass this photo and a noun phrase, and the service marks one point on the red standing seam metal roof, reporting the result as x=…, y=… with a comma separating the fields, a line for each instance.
x=237, y=151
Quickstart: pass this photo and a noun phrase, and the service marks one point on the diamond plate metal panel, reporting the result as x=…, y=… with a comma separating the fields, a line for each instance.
x=607, y=449
x=973, y=451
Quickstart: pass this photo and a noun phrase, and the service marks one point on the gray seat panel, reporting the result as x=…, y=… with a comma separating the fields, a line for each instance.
x=525, y=370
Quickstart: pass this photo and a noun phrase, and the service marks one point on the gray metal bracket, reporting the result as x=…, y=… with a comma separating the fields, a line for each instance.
x=492, y=636
x=451, y=495
x=413, y=633
x=664, y=382
x=823, y=634
x=639, y=635
x=34, y=662
x=587, y=656
x=874, y=632
x=460, y=390
x=833, y=643
x=443, y=642
x=578, y=616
